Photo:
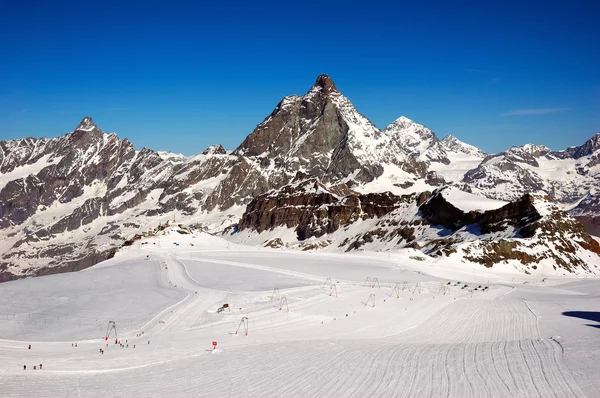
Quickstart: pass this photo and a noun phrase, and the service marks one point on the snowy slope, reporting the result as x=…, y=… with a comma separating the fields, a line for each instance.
x=535, y=168
x=468, y=202
x=426, y=333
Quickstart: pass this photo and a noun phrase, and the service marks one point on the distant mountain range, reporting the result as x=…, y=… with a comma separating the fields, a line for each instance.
x=69, y=202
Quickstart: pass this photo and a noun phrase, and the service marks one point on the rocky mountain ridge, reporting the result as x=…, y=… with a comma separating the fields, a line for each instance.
x=526, y=234
x=69, y=202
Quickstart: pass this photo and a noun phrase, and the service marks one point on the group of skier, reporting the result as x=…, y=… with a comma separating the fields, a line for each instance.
x=126, y=345
x=34, y=366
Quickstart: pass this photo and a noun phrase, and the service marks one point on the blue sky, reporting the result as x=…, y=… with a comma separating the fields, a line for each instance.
x=180, y=76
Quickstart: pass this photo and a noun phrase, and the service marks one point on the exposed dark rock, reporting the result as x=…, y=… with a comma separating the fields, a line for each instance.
x=215, y=150
x=312, y=209
x=275, y=243
x=588, y=148
x=432, y=178
x=591, y=224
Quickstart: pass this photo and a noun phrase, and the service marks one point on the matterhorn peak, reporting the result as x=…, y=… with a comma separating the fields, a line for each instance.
x=86, y=124
x=325, y=83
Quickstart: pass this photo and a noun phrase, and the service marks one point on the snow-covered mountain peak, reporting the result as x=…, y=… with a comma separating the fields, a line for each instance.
x=86, y=124
x=415, y=139
x=402, y=122
x=215, y=150
x=405, y=128
x=589, y=147
x=532, y=149
x=453, y=144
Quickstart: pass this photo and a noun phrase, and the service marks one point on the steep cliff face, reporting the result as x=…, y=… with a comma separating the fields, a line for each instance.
x=322, y=134
x=312, y=209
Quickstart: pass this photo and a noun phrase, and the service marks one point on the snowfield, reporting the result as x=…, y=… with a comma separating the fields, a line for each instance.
x=467, y=202
x=316, y=327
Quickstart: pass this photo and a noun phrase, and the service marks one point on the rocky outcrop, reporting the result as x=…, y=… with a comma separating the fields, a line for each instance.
x=312, y=209
x=437, y=210
x=530, y=232
x=589, y=148
x=215, y=150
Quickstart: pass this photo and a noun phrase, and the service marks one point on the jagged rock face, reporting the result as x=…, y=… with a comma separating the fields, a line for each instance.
x=215, y=150
x=243, y=182
x=312, y=209
x=567, y=245
x=66, y=202
x=322, y=134
x=591, y=224
x=521, y=214
x=590, y=147
x=518, y=231
x=438, y=211
x=64, y=166
x=588, y=213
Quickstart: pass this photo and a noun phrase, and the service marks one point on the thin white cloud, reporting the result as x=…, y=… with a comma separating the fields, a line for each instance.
x=537, y=111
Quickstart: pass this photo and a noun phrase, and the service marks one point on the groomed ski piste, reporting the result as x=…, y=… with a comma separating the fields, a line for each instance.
x=296, y=324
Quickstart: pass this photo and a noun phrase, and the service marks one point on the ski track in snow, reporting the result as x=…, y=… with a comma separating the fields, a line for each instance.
x=486, y=346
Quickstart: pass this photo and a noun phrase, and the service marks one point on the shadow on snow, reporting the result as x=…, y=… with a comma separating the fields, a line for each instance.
x=589, y=315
